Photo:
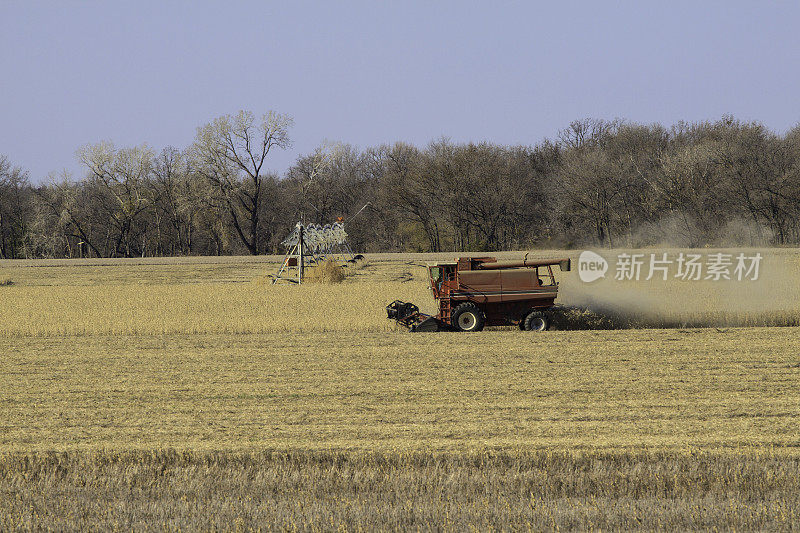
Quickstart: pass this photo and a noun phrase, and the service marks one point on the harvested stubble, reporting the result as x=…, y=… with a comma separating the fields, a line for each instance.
x=593, y=390
x=401, y=491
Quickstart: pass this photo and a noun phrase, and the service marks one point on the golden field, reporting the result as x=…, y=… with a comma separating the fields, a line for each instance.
x=192, y=394
x=653, y=389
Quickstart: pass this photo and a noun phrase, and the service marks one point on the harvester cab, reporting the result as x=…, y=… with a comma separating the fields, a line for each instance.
x=439, y=273
x=474, y=292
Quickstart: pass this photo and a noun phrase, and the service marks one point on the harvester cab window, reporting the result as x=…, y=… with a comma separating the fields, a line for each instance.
x=436, y=280
x=448, y=273
x=440, y=274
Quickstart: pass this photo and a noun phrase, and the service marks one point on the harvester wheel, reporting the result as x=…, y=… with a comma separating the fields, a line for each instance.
x=468, y=317
x=536, y=321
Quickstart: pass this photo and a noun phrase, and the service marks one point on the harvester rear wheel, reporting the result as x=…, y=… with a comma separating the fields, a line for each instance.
x=536, y=321
x=468, y=317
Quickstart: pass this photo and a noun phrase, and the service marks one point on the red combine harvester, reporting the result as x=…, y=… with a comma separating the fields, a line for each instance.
x=474, y=292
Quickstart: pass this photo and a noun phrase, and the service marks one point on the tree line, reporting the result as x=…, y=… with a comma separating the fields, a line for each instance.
x=599, y=183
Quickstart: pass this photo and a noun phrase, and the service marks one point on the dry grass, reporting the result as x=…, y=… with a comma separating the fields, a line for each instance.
x=341, y=491
x=201, y=308
x=327, y=271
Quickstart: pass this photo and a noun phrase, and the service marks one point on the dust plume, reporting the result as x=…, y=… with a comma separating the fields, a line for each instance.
x=771, y=300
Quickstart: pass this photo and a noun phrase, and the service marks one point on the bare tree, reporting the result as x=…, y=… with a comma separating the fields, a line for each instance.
x=174, y=212
x=15, y=209
x=588, y=195
x=230, y=153
x=587, y=132
x=320, y=179
x=412, y=191
x=63, y=220
x=119, y=179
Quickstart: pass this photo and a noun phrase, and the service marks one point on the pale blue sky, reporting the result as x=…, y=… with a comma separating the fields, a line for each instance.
x=368, y=73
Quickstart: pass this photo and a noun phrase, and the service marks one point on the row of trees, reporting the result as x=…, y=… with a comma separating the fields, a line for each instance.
x=599, y=183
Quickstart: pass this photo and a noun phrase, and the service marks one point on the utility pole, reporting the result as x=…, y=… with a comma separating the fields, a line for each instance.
x=300, y=261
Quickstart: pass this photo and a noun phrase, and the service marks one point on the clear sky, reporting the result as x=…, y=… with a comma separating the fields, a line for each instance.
x=374, y=72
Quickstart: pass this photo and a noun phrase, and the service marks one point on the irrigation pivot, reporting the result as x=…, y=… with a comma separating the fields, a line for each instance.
x=311, y=243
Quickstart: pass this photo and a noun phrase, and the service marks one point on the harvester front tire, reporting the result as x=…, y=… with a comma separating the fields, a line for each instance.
x=468, y=317
x=536, y=321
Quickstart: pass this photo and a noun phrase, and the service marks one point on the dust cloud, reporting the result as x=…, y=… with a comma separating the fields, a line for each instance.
x=771, y=300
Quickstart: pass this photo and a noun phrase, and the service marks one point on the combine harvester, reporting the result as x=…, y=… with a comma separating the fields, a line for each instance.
x=474, y=292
